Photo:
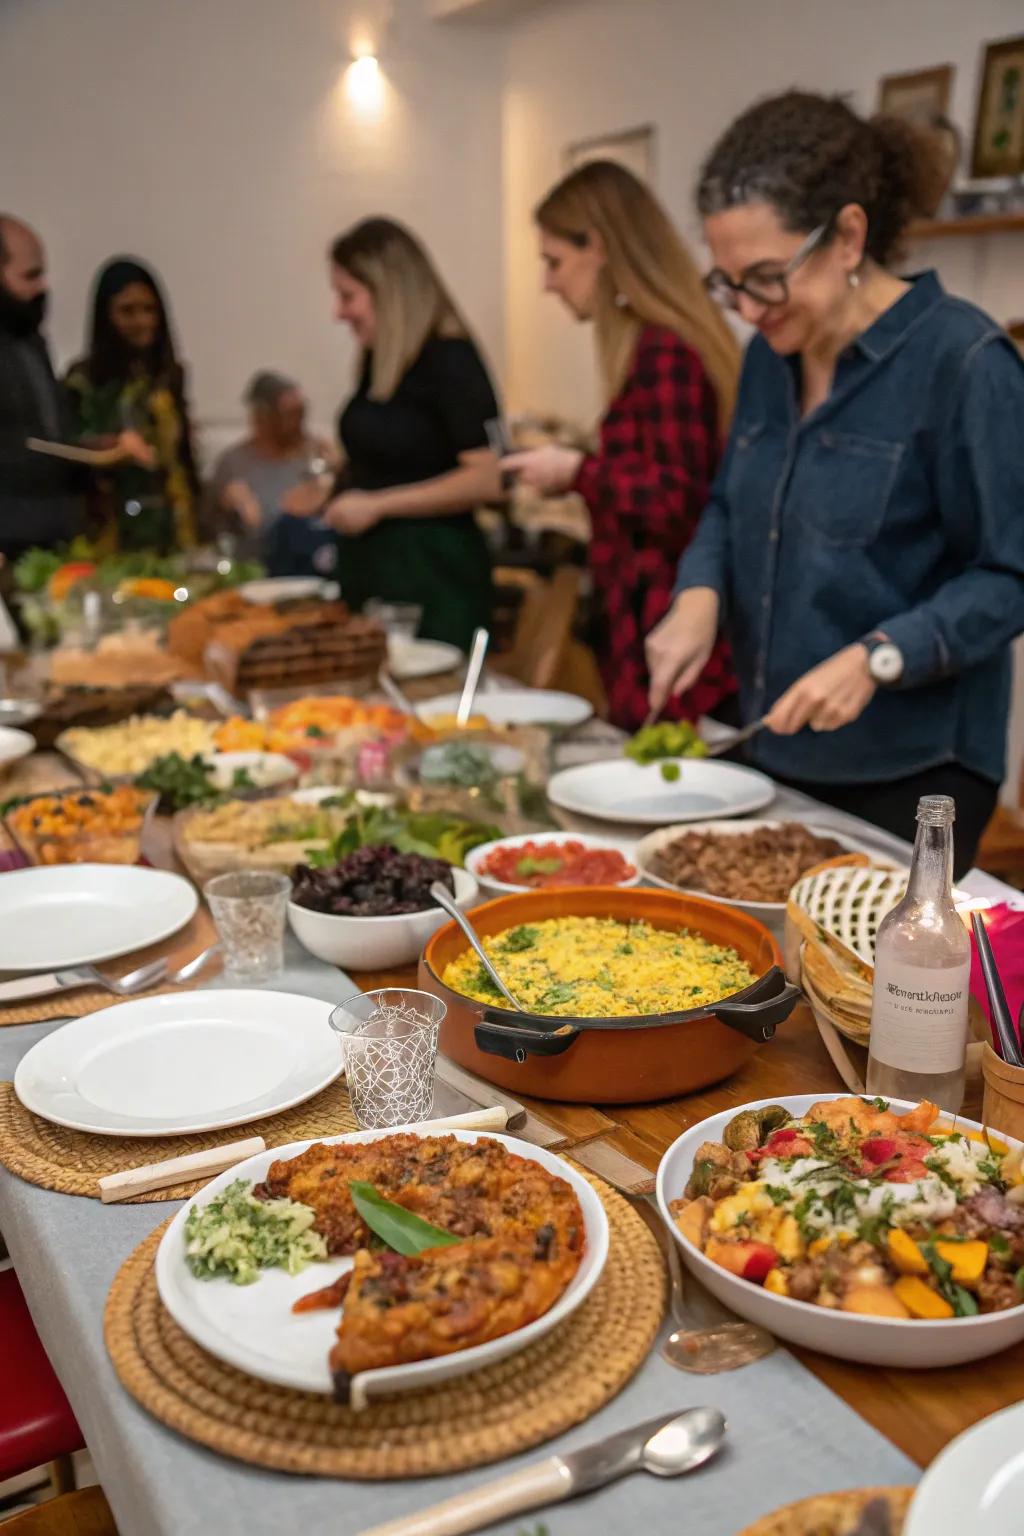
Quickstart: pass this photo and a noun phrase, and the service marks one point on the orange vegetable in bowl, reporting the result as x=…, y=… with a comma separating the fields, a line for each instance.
x=883, y=1300
x=66, y=576
x=152, y=587
x=920, y=1300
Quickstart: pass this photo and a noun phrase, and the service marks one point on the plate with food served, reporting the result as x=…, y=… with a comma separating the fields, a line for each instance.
x=382, y=1261
x=534, y=861
x=644, y=794
x=752, y=865
x=879, y=1231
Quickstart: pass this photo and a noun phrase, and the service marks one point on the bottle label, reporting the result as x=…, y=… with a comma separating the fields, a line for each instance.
x=919, y=1016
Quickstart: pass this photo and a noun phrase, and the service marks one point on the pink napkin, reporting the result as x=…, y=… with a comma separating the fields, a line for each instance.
x=1005, y=927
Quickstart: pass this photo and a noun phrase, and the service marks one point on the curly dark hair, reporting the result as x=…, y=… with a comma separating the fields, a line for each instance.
x=808, y=156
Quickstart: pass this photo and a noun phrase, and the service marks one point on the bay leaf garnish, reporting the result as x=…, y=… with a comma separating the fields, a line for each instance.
x=400, y=1229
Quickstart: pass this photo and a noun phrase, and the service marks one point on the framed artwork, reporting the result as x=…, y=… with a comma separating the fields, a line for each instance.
x=999, y=127
x=633, y=148
x=921, y=96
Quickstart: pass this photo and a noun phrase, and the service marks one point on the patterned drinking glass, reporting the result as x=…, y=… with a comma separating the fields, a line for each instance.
x=249, y=907
x=389, y=1041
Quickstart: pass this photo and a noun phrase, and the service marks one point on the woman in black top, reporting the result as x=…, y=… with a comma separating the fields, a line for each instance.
x=414, y=438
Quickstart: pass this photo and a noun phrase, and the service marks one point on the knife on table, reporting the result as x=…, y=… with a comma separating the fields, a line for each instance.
x=668, y=1445
x=43, y=984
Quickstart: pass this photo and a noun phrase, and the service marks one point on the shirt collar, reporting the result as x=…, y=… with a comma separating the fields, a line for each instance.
x=894, y=323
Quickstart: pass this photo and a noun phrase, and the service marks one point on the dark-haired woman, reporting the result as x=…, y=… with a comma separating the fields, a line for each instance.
x=864, y=542
x=129, y=388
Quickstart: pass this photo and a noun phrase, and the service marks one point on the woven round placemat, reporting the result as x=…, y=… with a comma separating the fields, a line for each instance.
x=72, y=1162
x=524, y=1399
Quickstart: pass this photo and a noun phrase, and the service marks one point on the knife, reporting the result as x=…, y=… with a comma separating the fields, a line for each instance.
x=43, y=984
x=667, y=1445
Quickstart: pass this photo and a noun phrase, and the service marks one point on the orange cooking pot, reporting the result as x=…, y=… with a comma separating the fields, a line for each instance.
x=624, y=1060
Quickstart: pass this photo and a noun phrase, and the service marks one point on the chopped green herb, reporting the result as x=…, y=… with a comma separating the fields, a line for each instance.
x=518, y=939
x=235, y=1235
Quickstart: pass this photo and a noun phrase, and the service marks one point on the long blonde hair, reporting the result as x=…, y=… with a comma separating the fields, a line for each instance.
x=649, y=276
x=411, y=301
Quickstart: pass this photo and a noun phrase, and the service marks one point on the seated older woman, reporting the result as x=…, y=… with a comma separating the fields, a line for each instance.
x=253, y=480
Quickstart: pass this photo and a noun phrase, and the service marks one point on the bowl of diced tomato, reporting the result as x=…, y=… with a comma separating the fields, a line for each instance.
x=536, y=861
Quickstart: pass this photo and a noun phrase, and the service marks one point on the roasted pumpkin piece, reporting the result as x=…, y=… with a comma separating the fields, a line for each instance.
x=920, y=1300
x=877, y=1300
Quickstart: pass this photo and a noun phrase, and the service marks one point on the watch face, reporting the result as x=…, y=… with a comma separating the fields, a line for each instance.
x=886, y=663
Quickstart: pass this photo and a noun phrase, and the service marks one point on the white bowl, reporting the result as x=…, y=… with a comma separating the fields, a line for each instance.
x=14, y=745
x=885, y=1341
x=267, y=770
x=253, y=1328
x=372, y=943
x=288, y=589
x=476, y=857
x=771, y=913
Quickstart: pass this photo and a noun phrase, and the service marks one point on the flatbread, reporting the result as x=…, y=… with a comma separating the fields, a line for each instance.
x=835, y=1514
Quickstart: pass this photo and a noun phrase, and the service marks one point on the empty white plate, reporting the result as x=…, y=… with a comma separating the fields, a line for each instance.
x=621, y=790
x=976, y=1485
x=517, y=706
x=253, y=1328
x=14, y=745
x=408, y=659
x=78, y=914
x=194, y=1061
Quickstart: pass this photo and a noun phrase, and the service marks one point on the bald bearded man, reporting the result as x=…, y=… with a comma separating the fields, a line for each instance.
x=40, y=501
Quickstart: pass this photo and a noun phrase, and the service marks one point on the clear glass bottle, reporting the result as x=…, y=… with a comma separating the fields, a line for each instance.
x=922, y=973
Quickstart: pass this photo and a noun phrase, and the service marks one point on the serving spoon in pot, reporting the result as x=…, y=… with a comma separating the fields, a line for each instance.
x=443, y=899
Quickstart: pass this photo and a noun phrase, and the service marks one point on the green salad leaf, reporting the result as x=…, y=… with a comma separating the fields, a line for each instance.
x=400, y=1229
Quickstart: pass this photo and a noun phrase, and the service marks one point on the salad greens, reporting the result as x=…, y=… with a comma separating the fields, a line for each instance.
x=236, y=1235
x=432, y=834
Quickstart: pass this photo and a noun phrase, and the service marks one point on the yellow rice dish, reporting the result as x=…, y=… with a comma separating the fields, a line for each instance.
x=598, y=967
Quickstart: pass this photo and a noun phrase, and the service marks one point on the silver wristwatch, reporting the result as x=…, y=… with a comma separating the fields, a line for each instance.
x=885, y=660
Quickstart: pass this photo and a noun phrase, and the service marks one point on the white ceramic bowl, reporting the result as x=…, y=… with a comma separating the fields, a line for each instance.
x=253, y=1328
x=885, y=1341
x=476, y=857
x=267, y=770
x=371, y=943
x=771, y=913
x=14, y=745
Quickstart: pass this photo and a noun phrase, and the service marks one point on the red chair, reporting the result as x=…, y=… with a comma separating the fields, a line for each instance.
x=36, y=1423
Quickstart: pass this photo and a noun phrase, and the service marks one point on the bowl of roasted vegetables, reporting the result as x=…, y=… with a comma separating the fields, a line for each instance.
x=879, y=1231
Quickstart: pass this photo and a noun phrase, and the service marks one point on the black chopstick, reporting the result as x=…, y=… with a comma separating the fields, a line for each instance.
x=1006, y=1034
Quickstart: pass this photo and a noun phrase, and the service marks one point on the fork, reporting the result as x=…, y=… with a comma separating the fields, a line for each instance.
x=127, y=986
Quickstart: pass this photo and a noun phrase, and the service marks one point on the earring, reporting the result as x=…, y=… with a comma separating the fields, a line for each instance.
x=621, y=301
x=853, y=278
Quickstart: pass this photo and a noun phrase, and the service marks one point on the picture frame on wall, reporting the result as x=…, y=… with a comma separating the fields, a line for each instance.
x=632, y=147
x=920, y=96
x=999, y=124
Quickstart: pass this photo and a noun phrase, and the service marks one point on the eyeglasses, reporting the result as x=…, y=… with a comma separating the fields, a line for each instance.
x=770, y=288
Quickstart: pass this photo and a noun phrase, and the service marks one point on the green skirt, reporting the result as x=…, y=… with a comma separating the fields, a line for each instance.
x=441, y=563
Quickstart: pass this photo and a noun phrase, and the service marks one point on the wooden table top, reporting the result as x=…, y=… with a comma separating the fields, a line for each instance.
x=920, y=1411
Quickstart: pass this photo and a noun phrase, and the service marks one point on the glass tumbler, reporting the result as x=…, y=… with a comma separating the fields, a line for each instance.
x=389, y=1042
x=400, y=621
x=249, y=908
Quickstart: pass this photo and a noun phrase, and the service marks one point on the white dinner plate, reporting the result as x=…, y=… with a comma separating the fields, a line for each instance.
x=181, y=1062
x=898, y=1343
x=976, y=1485
x=289, y=589
x=408, y=659
x=253, y=1328
x=78, y=914
x=624, y=791
x=517, y=706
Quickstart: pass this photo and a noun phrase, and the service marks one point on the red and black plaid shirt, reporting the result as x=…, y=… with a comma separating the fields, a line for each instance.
x=646, y=488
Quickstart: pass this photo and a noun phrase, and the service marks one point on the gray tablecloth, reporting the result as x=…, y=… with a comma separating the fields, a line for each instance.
x=788, y=1435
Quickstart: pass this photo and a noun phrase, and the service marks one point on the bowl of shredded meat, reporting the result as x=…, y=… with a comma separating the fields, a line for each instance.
x=752, y=865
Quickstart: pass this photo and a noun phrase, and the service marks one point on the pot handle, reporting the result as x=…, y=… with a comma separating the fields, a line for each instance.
x=772, y=1001
x=515, y=1042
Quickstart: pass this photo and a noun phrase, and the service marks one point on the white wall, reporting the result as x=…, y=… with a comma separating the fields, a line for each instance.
x=581, y=68
x=216, y=139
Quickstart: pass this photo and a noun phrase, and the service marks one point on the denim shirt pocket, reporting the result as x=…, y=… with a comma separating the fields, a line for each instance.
x=745, y=477
x=842, y=485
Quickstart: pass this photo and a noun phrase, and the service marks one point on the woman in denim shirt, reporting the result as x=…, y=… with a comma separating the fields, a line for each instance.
x=864, y=542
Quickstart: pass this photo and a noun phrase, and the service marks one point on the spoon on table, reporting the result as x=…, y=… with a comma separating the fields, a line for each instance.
x=1002, y=1019
x=666, y=1446
x=477, y=652
x=443, y=899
